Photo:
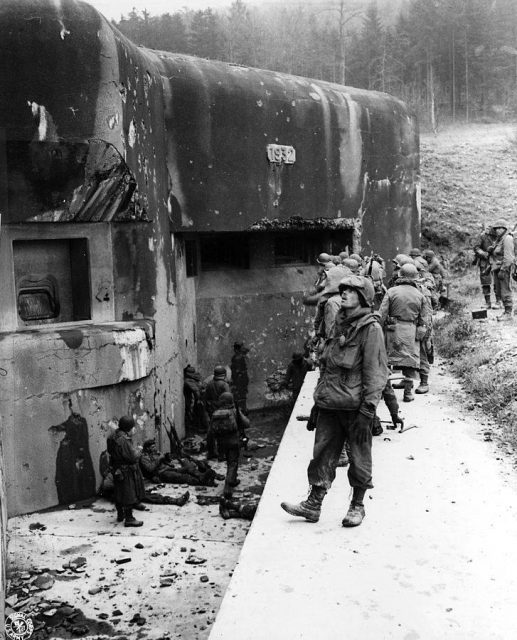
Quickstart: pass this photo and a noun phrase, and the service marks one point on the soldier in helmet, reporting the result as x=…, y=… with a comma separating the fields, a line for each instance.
x=213, y=390
x=406, y=316
x=502, y=258
x=353, y=373
x=482, y=247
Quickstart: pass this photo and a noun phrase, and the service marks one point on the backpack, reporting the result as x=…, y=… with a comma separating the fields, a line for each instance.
x=224, y=422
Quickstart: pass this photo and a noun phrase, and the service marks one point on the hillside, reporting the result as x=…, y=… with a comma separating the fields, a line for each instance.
x=469, y=178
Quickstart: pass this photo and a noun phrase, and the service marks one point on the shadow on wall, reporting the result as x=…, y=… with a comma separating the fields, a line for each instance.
x=75, y=476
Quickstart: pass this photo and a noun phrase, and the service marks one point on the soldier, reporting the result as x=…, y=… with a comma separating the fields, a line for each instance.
x=435, y=269
x=406, y=317
x=502, y=258
x=418, y=259
x=353, y=373
x=295, y=374
x=128, y=482
x=213, y=390
x=484, y=242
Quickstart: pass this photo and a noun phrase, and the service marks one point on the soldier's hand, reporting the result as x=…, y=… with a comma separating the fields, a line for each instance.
x=362, y=429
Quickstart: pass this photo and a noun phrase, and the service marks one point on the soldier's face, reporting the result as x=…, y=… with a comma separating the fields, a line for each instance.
x=349, y=299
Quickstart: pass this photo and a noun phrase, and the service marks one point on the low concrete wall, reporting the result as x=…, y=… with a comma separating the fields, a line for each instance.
x=62, y=393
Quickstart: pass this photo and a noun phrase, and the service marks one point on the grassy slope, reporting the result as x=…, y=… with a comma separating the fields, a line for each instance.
x=469, y=178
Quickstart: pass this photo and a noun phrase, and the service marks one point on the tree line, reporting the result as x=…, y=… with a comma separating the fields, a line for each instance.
x=447, y=59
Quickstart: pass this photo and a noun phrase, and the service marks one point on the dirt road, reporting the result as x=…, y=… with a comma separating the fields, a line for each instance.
x=433, y=559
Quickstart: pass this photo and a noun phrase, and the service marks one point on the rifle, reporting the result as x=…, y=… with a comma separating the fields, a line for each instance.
x=174, y=440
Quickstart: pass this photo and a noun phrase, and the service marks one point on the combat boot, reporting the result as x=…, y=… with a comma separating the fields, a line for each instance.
x=354, y=516
x=488, y=304
x=120, y=513
x=506, y=316
x=398, y=385
x=130, y=520
x=309, y=509
x=424, y=384
x=408, y=390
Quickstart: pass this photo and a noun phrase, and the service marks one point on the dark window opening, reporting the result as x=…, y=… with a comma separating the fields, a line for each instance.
x=191, y=258
x=224, y=251
x=52, y=280
x=292, y=249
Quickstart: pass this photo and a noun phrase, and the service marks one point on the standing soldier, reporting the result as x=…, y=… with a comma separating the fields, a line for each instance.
x=353, y=373
x=406, y=316
x=128, y=481
x=435, y=269
x=214, y=388
x=240, y=380
x=484, y=242
x=502, y=258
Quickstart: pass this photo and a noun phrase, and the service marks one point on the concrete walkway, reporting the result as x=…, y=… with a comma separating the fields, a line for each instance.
x=435, y=558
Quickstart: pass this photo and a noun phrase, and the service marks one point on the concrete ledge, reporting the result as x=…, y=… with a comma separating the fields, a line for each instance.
x=433, y=558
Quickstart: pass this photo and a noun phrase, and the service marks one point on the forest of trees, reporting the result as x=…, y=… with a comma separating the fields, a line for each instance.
x=448, y=59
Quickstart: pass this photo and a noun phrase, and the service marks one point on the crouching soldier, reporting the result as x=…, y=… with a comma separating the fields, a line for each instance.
x=128, y=482
x=354, y=372
x=228, y=426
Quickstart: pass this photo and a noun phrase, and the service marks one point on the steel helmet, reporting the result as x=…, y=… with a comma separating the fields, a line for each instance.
x=408, y=271
x=357, y=258
x=500, y=224
x=428, y=253
x=351, y=263
x=415, y=252
x=323, y=258
x=219, y=371
x=334, y=276
x=362, y=285
x=400, y=259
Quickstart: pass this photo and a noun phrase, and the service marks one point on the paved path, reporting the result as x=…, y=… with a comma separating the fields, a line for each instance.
x=435, y=558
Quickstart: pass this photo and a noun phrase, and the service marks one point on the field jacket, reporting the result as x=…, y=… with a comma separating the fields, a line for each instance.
x=406, y=315
x=353, y=365
x=503, y=255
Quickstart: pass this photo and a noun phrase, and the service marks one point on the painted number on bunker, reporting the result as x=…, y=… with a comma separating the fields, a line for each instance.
x=281, y=153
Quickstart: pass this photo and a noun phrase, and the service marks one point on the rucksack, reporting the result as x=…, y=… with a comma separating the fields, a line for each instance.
x=224, y=422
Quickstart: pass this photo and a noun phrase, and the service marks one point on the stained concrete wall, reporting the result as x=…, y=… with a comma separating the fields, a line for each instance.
x=261, y=307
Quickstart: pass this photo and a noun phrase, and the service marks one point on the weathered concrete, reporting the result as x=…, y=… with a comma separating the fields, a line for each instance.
x=434, y=557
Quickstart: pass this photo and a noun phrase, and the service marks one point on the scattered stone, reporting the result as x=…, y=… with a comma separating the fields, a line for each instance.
x=94, y=590
x=166, y=582
x=74, y=564
x=49, y=612
x=103, y=616
x=139, y=545
x=116, y=613
x=204, y=579
x=122, y=560
x=12, y=600
x=192, y=559
x=37, y=526
x=44, y=581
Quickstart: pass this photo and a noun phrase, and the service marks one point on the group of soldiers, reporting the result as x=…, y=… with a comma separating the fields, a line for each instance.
x=404, y=307
x=495, y=256
x=363, y=328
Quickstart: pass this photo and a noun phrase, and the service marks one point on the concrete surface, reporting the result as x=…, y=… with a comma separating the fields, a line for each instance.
x=434, y=558
x=177, y=599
